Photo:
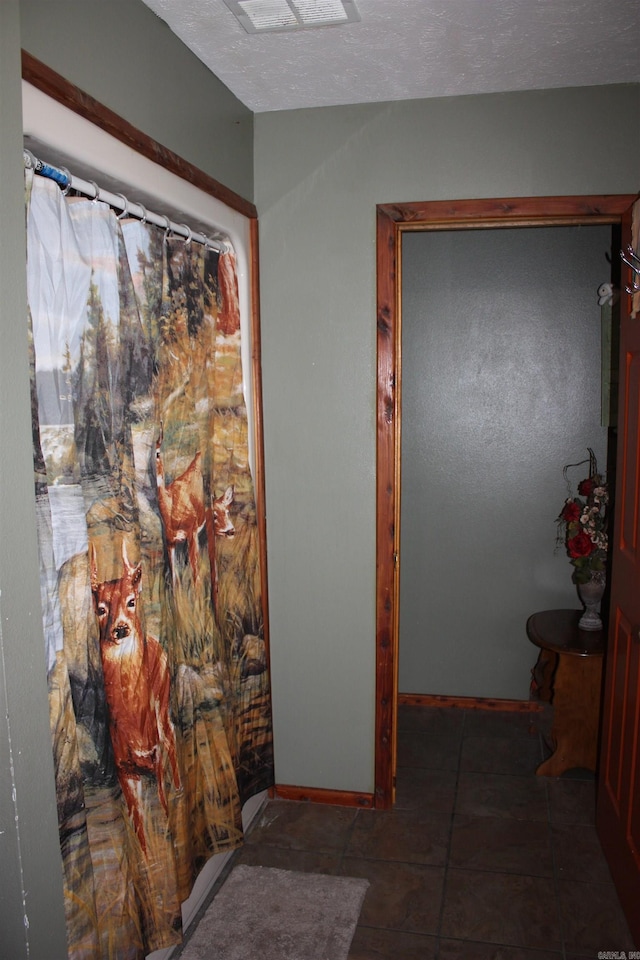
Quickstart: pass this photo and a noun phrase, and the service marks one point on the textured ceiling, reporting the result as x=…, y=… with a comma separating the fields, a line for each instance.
x=406, y=49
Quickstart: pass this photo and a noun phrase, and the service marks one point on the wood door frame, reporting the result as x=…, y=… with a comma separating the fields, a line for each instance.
x=392, y=220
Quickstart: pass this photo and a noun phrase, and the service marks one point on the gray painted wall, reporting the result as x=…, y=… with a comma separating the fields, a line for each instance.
x=501, y=386
x=319, y=174
x=31, y=876
x=126, y=57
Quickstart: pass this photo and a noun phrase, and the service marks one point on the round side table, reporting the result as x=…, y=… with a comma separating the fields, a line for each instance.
x=573, y=672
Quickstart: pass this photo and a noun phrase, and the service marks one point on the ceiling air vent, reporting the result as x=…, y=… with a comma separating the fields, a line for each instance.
x=260, y=16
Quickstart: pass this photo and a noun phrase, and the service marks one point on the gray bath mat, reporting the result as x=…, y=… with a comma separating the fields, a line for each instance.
x=261, y=913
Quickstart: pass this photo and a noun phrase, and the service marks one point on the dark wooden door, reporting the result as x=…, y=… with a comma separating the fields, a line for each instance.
x=618, y=803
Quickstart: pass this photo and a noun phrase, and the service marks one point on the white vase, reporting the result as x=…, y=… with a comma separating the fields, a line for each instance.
x=591, y=594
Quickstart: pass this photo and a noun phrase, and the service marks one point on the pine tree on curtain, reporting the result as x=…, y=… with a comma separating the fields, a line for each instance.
x=149, y=562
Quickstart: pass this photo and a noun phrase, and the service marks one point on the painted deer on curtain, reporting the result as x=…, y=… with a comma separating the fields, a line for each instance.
x=184, y=516
x=182, y=509
x=137, y=686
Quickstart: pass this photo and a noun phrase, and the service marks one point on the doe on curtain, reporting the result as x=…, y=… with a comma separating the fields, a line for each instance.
x=149, y=564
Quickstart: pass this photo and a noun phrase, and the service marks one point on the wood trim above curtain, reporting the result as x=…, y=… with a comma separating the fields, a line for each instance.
x=55, y=86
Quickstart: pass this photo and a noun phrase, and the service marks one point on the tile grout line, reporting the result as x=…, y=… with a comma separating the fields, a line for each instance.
x=450, y=839
x=554, y=863
x=347, y=840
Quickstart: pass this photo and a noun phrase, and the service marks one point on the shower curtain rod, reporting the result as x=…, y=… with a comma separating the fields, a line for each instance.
x=117, y=200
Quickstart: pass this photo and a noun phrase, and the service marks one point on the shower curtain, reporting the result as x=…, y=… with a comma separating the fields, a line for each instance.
x=149, y=564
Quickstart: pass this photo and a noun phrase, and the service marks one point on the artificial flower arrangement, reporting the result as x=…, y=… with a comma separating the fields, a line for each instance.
x=582, y=524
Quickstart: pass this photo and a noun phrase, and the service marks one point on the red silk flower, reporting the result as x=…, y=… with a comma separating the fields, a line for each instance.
x=585, y=487
x=580, y=545
x=570, y=512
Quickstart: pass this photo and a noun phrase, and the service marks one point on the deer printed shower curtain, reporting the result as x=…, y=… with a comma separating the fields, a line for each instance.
x=149, y=564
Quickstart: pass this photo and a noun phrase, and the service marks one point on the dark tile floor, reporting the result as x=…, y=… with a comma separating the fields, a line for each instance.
x=479, y=859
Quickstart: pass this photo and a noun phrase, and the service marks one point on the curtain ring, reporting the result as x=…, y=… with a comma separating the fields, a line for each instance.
x=167, y=227
x=189, y=233
x=125, y=206
x=96, y=195
x=65, y=190
x=143, y=218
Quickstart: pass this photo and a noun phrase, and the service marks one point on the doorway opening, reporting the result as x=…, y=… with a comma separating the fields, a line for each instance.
x=393, y=221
